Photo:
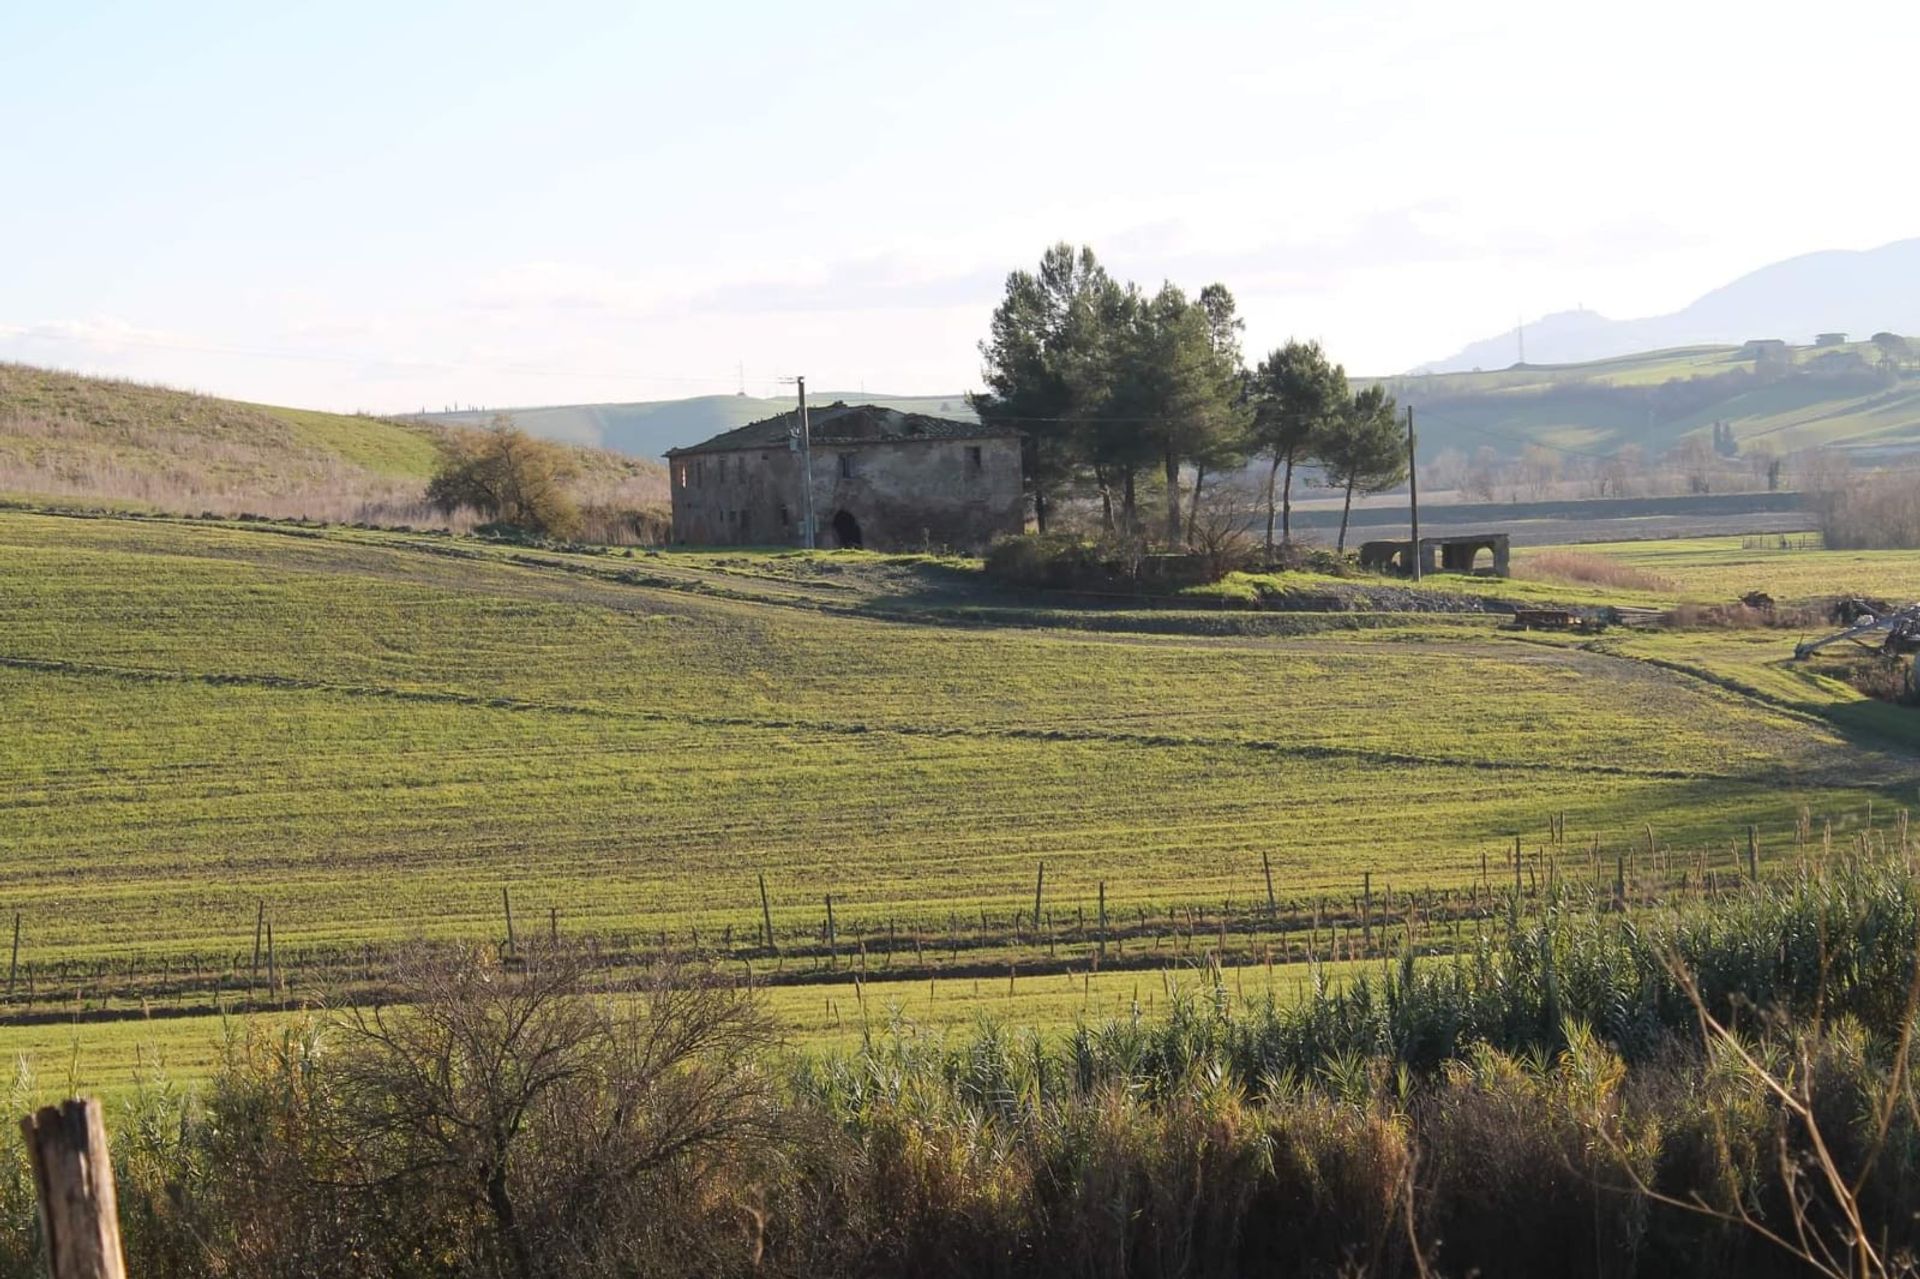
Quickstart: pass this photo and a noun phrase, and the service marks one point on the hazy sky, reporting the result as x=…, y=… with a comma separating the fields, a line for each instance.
x=394, y=205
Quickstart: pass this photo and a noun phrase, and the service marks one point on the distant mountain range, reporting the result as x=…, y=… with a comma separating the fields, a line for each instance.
x=1857, y=293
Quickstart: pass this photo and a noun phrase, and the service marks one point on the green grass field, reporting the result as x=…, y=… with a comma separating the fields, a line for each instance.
x=116, y=1058
x=370, y=735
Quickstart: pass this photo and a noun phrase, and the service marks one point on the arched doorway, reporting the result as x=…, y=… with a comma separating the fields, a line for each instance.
x=846, y=529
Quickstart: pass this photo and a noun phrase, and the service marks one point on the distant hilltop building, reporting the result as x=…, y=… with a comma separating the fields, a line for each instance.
x=882, y=479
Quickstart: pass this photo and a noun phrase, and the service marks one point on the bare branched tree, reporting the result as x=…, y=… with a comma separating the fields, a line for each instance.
x=550, y=1112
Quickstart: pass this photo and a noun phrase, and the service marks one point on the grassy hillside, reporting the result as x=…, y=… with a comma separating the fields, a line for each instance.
x=63, y=436
x=1653, y=401
x=650, y=428
x=374, y=735
x=367, y=736
x=1650, y=401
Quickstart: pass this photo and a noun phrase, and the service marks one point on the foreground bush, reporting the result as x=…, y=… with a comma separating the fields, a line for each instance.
x=1726, y=1090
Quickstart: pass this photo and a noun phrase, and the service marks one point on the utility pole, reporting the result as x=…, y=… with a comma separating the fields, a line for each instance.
x=1413, y=494
x=806, y=465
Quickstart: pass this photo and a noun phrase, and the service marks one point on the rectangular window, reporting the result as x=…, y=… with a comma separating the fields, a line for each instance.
x=682, y=476
x=973, y=459
x=846, y=466
x=785, y=519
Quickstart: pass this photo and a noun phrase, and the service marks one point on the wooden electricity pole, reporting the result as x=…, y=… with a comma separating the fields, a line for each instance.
x=1413, y=494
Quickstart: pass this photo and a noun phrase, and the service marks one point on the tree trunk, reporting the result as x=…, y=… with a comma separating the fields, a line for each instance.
x=1345, y=510
x=1128, y=515
x=1286, y=503
x=1039, y=510
x=1193, y=505
x=501, y=1204
x=1105, y=484
x=1272, y=471
x=1171, y=462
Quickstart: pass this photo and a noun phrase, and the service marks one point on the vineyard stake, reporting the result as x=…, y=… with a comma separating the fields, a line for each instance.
x=766, y=913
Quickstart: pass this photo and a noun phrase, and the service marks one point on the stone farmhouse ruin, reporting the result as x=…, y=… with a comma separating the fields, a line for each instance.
x=882, y=479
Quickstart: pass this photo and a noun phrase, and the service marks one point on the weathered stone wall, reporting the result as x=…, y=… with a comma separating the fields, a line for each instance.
x=900, y=494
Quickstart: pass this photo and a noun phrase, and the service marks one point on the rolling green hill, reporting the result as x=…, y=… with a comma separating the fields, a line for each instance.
x=1834, y=397
x=64, y=436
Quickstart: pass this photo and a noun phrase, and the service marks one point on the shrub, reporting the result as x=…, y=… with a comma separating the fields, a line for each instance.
x=1876, y=512
x=510, y=478
x=1058, y=561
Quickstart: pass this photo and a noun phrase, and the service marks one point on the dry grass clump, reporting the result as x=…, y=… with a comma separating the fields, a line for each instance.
x=1595, y=570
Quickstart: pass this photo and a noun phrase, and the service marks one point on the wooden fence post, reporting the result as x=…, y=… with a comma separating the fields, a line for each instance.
x=73, y=1181
x=13, y=966
x=1266, y=864
x=1103, y=919
x=259, y=924
x=506, y=904
x=1753, y=854
x=766, y=912
x=1039, y=879
x=833, y=951
x=1366, y=909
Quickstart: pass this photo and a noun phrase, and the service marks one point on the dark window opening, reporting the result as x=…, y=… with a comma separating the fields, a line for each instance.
x=973, y=458
x=846, y=466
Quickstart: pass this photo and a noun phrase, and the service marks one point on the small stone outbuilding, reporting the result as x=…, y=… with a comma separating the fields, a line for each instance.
x=1457, y=554
x=882, y=479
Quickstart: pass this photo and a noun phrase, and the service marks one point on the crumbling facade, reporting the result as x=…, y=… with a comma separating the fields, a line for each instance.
x=882, y=479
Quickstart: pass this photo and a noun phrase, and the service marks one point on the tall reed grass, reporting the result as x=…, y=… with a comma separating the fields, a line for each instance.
x=1552, y=1101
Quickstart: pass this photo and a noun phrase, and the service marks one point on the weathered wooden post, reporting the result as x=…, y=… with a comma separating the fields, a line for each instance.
x=833, y=950
x=1366, y=910
x=1103, y=919
x=1266, y=865
x=73, y=1181
x=13, y=965
x=259, y=925
x=766, y=912
x=1039, y=879
x=1753, y=854
x=506, y=904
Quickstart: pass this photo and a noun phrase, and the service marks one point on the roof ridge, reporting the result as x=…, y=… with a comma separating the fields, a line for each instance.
x=890, y=426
